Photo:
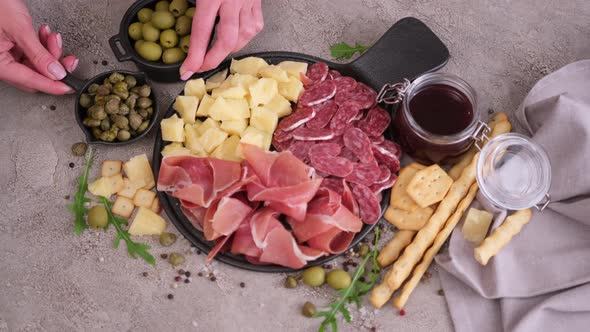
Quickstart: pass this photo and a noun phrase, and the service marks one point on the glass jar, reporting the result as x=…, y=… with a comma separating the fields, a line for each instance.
x=423, y=143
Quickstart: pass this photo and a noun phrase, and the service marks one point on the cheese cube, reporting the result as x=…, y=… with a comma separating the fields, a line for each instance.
x=174, y=149
x=228, y=149
x=242, y=80
x=192, y=142
x=209, y=123
x=138, y=170
x=294, y=68
x=123, y=207
x=279, y=105
x=291, y=89
x=111, y=167
x=130, y=187
x=476, y=225
x=156, y=207
x=263, y=91
x=212, y=138
x=264, y=120
x=274, y=72
x=234, y=127
x=255, y=137
x=205, y=104
x=215, y=80
x=249, y=65
x=146, y=222
x=229, y=109
x=195, y=88
x=231, y=92
x=187, y=106
x=144, y=198
x=172, y=129
x=107, y=186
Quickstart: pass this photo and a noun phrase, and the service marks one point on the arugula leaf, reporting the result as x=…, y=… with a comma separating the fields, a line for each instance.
x=345, y=51
x=133, y=248
x=353, y=292
x=78, y=207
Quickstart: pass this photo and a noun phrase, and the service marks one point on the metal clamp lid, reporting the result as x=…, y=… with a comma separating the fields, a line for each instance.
x=393, y=94
x=480, y=134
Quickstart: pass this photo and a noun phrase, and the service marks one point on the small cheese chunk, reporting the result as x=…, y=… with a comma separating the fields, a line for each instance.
x=174, y=149
x=212, y=138
x=249, y=65
x=263, y=91
x=107, y=186
x=195, y=88
x=138, y=170
x=476, y=225
x=294, y=68
x=264, y=120
x=291, y=89
x=187, y=106
x=234, y=127
x=146, y=222
x=279, y=105
x=204, y=106
x=172, y=129
x=209, y=123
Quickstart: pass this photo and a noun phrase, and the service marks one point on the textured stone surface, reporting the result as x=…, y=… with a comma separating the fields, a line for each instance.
x=53, y=280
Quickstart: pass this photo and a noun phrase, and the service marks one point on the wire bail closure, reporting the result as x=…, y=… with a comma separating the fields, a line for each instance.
x=541, y=206
x=480, y=135
x=392, y=94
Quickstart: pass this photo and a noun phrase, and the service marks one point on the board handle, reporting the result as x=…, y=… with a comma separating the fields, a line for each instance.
x=408, y=49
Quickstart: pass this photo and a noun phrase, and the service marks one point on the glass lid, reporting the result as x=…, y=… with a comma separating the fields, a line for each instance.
x=513, y=172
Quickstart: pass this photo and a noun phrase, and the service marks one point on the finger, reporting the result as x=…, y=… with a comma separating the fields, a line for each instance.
x=55, y=45
x=44, y=62
x=23, y=76
x=227, y=36
x=24, y=88
x=257, y=14
x=203, y=23
x=247, y=27
x=44, y=32
x=70, y=62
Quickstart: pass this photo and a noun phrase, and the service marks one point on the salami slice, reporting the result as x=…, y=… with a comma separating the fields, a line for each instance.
x=281, y=135
x=369, y=206
x=365, y=96
x=318, y=94
x=325, y=149
x=384, y=175
x=337, y=139
x=296, y=119
x=377, y=188
x=346, y=112
x=331, y=165
x=346, y=153
x=324, y=113
x=334, y=184
x=377, y=139
x=391, y=147
x=385, y=157
x=313, y=134
x=317, y=72
x=334, y=74
x=359, y=143
x=376, y=121
x=282, y=145
x=345, y=83
x=365, y=174
x=300, y=149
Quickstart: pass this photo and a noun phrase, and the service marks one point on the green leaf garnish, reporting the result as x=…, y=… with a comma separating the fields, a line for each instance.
x=345, y=51
x=133, y=248
x=353, y=292
x=78, y=207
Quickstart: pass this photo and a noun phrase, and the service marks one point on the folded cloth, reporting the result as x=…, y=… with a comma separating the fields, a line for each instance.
x=541, y=280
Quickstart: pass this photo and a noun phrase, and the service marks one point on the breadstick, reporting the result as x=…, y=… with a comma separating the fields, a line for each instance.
x=393, y=248
x=502, y=235
x=419, y=271
x=381, y=293
x=402, y=268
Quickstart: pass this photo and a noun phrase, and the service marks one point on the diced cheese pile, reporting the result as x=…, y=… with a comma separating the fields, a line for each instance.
x=132, y=191
x=216, y=115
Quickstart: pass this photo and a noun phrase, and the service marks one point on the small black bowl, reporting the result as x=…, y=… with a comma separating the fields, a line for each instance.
x=122, y=47
x=81, y=86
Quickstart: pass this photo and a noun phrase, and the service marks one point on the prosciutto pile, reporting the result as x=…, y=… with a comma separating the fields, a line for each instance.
x=245, y=207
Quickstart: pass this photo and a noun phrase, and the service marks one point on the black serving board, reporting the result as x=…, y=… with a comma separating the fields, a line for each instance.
x=408, y=49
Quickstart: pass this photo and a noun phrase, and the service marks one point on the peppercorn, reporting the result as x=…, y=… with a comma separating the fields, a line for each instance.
x=242, y=284
x=402, y=312
x=441, y=292
x=105, y=62
x=200, y=274
x=170, y=296
x=164, y=256
x=187, y=274
x=186, y=281
x=72, y=165
x=145, y=274
x=52, y=107
x=177, y=278
x=213, y=278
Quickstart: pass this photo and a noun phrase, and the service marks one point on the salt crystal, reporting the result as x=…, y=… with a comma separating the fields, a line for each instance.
x=174, y=285
x=101, y=259
x=195, y=324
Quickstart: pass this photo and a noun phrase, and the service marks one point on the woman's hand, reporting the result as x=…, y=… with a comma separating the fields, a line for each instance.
x=29, y=61
x=240, y=21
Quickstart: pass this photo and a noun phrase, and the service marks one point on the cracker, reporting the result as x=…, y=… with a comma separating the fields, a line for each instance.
x=429, y=186
x=406, y=220
x=399, y=197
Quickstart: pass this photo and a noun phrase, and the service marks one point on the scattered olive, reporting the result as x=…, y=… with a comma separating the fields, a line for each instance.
x=175, y=259
x=97, y=216
x=291, y=282
x=338, y=279
x=363, y=250
x=145, y=15
x=167, y=239
x=308, y=309
x=314, y=276
x=79, y=149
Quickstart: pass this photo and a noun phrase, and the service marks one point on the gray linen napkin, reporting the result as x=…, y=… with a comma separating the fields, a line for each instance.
x=541, y=280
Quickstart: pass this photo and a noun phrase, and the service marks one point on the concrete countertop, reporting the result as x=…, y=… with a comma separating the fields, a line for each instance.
x=53, y=280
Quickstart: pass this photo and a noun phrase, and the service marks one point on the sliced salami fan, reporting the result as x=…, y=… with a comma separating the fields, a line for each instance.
x=377, y=188
x=283, y=145
x=376, y=121
x=334, y=74
x=369, y=206
x=365, y=174
x=317, y=73
x=331, y=165
x=391, y=147
x=346, y=153
x=345, y=83
x=312, y=134
x=318, y=94
x=324, y=113
x=300, y=149
x=359, y=143
x=346, y=112
x=384, y=175
x=281, y=135
x=296, y=119
x=387, y=159
x=365, y=96
x=325, y=149
x=334, y=184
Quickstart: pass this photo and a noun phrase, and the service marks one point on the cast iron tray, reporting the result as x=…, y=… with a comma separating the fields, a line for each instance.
x=408, y=49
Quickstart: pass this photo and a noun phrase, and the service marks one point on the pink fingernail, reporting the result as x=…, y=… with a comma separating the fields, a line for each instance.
x=75, y=64
x=186, y=75
x=56, y=70
x=47, y=29
x=59, y=40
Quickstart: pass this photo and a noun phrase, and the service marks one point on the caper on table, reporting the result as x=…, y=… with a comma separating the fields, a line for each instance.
x=175, y=259
x=167, y=239
x=290, y=282
x=308, y=309
x=79, y=149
